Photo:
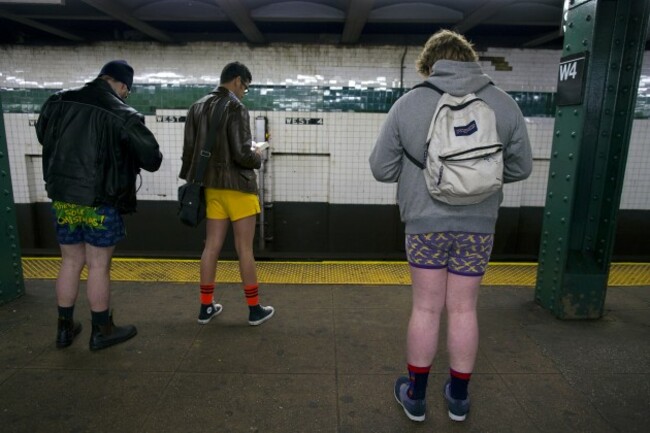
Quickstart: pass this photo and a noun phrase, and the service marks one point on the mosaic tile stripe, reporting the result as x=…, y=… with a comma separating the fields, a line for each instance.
x=149, y=98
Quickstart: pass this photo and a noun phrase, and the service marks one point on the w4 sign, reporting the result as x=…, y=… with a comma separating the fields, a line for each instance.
x=571, y=74
x=569, y=70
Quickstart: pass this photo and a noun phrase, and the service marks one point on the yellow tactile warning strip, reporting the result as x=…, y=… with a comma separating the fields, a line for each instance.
x=358, y=273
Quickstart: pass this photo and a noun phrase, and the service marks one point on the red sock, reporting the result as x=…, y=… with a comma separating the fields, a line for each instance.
x=252, y=294
x=207, y=294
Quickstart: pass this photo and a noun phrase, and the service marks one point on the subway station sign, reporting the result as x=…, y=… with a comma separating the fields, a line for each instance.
x=303, y=121
x=571, y=77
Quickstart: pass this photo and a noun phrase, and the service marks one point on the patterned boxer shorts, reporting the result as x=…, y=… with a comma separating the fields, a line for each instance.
x=100, y=226
x=461, y=253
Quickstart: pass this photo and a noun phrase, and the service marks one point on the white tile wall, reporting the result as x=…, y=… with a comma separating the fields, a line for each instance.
x=302, y=178
x=533, y=191
x=636, y=188
x=532, y=70
x=325, y=162
x=285, y=64
x=163, y=184
x=21, y=143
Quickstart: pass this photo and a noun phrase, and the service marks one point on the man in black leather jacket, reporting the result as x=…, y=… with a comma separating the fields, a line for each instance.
x=94, y=146
x=230, y=186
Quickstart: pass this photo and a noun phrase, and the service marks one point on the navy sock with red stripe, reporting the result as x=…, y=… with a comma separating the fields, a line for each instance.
x=418, y=376
x=458, y=384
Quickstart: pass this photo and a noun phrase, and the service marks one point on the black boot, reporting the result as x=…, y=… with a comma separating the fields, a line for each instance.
x=66, y=331
x=104, y=336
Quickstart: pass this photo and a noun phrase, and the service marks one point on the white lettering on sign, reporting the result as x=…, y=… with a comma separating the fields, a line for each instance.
x=568, y=70
x=571, y=74
x=303, y=121
x=170, y=119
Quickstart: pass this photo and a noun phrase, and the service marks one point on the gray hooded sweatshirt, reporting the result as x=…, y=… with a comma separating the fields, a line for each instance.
x=406, y=127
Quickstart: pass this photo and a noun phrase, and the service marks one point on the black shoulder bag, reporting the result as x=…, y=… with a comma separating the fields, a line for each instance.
x=191, y=197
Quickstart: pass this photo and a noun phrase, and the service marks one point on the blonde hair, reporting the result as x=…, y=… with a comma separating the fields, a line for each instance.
x=444, y=45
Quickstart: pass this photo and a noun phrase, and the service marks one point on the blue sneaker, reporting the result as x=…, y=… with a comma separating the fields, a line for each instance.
x=458, y=409
x=414, y=409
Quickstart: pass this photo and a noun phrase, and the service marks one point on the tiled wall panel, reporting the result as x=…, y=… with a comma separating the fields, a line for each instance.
x=321, y=162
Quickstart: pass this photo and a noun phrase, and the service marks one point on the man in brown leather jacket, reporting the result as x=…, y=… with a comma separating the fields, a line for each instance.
x=230, y=186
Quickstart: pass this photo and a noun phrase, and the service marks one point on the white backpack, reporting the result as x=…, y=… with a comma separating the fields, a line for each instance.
x=464, y=158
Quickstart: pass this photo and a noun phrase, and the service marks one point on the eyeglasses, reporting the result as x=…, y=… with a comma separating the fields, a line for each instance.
x=246, y=86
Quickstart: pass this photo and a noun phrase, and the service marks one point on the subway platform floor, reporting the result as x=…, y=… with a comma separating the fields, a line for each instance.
x=326, y=362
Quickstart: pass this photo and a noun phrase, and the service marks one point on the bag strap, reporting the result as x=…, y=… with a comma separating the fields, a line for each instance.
x=206, y=150
x=428, y=85
x=410, y=157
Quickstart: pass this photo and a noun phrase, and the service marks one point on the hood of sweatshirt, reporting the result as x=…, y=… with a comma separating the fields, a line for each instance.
x=458, y=78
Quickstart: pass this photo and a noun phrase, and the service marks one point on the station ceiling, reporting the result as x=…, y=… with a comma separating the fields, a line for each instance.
x=507, y=23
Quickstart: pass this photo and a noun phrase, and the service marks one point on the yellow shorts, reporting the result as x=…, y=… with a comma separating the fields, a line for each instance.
x=230, y=204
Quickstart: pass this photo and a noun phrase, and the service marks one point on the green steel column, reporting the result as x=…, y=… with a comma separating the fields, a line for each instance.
x=598, y=79
x=12, y=284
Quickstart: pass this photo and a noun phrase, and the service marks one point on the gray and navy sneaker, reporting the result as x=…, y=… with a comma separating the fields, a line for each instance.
x=208, y=312
x=458, y=409
x=414, y=409
x=258, y=314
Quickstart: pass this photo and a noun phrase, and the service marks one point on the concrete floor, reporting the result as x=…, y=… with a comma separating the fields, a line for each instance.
x=325, y=363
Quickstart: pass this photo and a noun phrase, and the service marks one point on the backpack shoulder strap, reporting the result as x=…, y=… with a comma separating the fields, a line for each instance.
x=411, y=158
x=436, y=88
x=428, y=85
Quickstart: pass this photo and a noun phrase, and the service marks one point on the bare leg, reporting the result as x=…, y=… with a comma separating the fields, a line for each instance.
x=73, y=259
x=429, y=290
x=104, y=333
x=462, y=322
x=215, y=234
x=244, y=230
x=99, y=276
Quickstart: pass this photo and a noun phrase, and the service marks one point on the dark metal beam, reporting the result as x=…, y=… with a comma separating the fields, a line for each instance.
x=40, y=26
x=358, y=12
x=121, y=14
x=40, y=2
x=598, y=75
x=12, y=284
x=481, y=14
x=238, y=14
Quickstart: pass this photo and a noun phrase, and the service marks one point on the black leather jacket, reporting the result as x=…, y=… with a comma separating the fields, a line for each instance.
x=232, y=161
x=94, y=146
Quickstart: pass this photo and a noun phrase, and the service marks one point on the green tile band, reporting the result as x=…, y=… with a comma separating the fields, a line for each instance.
x=149, y=98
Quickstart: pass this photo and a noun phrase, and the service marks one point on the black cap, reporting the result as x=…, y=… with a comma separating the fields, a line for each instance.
x=119, y=70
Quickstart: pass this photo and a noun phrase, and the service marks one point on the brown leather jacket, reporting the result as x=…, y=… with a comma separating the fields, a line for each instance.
x=232, y=161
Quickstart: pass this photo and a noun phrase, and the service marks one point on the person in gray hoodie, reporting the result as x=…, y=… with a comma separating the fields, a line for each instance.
x=447, y=246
